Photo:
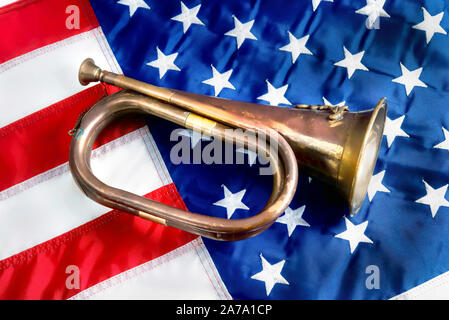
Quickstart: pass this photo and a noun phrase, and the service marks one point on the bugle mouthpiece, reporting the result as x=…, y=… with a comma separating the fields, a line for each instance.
x=89, y=72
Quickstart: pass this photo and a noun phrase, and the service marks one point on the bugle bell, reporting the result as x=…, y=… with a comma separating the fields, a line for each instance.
x=329, y=142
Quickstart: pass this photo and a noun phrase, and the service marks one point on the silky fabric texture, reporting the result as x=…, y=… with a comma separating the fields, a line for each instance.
x=408, y=246
x=29, y=137
x=116, y=236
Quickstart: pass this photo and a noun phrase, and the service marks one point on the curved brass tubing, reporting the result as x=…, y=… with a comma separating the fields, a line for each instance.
x=329, y=142
x=285, y=175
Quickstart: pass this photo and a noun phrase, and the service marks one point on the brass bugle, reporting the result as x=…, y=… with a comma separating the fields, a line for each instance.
x=328, y=142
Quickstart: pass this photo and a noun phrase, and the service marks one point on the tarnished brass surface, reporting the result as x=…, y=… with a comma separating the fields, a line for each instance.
x=331, y=143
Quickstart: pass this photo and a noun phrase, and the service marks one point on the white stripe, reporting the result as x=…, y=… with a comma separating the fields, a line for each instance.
x=50, y=204
x=211, y=270
x=157, y=157
x=180, y=274
x=434, y=289
x=49, y=74
x=5, y=2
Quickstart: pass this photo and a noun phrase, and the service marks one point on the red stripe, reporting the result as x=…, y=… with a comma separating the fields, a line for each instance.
x=30, y=24
x=39, y=142
x=102, y=248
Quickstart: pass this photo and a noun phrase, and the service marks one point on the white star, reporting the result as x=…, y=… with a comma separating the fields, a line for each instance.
x=232, y=201
x=352, y=62
x=270, y=274
x=241, y=31
x=296, y=46
x=134, y=5
x=434, y=198
x=375, y=185
x=374, y=10
x=316, y=3
x=445, y=143
x=431, y=24
x=252, y=156
x=327, y=103
x=293, y=218
x=275, y=96
x=219, y=80
x=194, y=136
x=188, y=16
x=164, y=63
x=393, y=129
x=354, y=234
x=410, y=79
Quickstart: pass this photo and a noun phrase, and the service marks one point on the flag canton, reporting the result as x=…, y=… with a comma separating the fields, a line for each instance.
x=315, y=52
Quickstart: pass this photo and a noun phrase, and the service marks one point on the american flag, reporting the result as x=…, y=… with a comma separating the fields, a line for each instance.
x=55, y=243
